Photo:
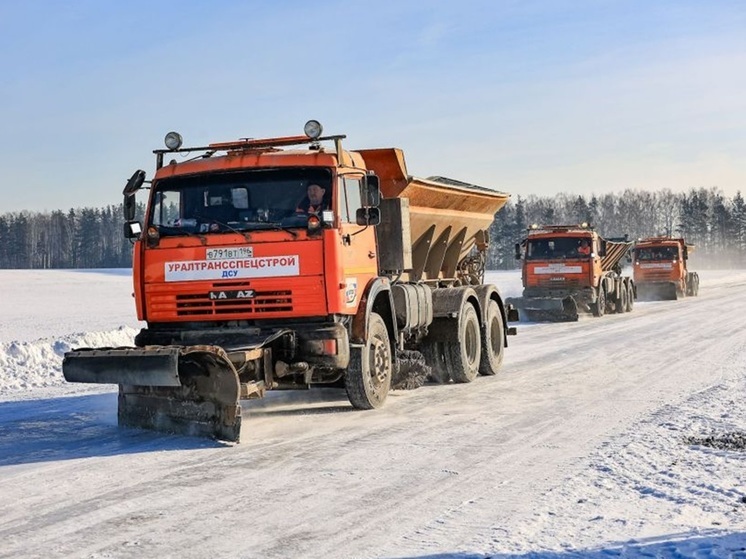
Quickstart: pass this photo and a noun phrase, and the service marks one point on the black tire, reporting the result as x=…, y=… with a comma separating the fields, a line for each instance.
x=630, y=296
x=599, y=307
x=621, y=304
x=493, y=340
x=463, y=351
x=433, y=353
x=692, y=285
x=368, y=377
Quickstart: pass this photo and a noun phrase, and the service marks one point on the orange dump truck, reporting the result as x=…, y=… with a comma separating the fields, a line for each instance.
x=288, y=262
x=569, y=269
x=660, y=269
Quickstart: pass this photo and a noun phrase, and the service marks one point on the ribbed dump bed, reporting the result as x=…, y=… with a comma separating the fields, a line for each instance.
x=447, y=216
x=615, y=251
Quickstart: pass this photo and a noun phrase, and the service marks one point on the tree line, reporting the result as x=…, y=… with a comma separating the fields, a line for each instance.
x=716, y=224
x=78, y=238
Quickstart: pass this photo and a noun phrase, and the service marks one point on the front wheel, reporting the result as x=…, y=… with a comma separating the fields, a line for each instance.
x=368, y=377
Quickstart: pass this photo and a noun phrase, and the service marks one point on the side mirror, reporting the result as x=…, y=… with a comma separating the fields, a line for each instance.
x=135, y=183
x=518, y=251
x=132, y=230
x=371, y=191
x=132, y=186
x=686, y=254
x=130, y=205
x=368, y=216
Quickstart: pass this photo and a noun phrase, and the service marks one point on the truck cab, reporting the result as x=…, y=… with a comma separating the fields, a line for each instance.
x=660, y=268
x=571, y=269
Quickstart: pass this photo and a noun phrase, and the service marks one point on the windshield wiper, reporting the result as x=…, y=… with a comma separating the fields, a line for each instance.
x=270, y=225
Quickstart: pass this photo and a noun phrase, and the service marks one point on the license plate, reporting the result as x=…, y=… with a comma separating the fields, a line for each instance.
x=229, y=253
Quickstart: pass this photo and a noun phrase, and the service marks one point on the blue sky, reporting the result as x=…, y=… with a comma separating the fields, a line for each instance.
x=528, y=97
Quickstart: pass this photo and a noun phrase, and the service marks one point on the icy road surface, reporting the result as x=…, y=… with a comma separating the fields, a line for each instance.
x=586, y=445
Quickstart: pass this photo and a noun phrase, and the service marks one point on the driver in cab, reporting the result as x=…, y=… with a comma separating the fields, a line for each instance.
x=314, y=201
x=585, y=248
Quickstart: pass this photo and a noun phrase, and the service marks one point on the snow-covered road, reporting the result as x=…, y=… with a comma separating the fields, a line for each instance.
x=577, y=449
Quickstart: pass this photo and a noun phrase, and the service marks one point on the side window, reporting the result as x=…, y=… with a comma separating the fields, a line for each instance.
x=349, y=200
x=166, y=208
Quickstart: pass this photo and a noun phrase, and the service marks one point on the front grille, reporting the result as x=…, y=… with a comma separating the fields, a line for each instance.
x=200, y=304
x=657, y=275
x=566, y=283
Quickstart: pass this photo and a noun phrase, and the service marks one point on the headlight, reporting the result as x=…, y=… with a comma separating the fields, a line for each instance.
x=314, y=223
x=173, y=140
x=313, y=129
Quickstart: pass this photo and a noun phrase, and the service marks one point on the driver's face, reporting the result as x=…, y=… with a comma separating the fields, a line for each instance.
x=315, y=193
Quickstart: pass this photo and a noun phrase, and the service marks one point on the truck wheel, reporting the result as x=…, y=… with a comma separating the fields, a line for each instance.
x=368, y=377
x=630, y=296
x=692, y=285
x=463, y=352
x=621, y=304
x=493, y=340
x=599, y=307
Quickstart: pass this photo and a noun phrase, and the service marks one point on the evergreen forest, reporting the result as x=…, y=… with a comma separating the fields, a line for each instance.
x=714, y=223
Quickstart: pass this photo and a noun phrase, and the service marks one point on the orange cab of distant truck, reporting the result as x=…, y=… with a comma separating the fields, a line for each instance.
x=660, y=268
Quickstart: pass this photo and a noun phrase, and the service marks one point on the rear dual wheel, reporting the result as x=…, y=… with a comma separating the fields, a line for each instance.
x=621, y=303
x=493, y=340
x=463, y=352
x=457, y=353
x=630, y=296
x=599, y=307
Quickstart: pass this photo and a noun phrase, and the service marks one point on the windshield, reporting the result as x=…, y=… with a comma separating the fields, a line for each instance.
x=656, y=253
x=558, y=248
x=240, y=201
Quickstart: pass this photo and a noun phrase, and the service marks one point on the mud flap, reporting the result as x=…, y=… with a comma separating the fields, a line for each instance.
x=192, y=390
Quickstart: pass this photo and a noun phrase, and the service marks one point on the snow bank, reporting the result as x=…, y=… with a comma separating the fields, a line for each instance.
x=38, y=364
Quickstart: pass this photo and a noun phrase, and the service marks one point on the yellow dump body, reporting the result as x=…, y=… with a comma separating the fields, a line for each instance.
x=447, y=217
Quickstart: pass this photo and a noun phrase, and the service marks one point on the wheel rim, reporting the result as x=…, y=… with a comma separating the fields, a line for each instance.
x=377, y=365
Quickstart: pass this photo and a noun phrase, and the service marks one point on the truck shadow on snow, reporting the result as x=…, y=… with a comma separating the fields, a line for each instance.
x=77, y=427
x=66, y=428
x=691, y=544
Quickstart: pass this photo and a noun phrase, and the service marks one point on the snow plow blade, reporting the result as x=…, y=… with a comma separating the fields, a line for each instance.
x=546, y=309
x=191, y=390
x=656, y=292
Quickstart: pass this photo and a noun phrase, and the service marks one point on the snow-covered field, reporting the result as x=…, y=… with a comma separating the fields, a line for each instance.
x=620, y=436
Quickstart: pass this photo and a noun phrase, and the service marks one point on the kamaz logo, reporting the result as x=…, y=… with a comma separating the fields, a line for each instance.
x=237, y=294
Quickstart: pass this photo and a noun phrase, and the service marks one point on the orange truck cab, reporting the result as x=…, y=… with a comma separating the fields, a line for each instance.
x=660, y=268
x=571, y=269
x=290, y=262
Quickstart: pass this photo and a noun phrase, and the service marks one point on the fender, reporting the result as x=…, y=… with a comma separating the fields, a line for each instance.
x=491, y=292
x=448, y=301
x=376, y=297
